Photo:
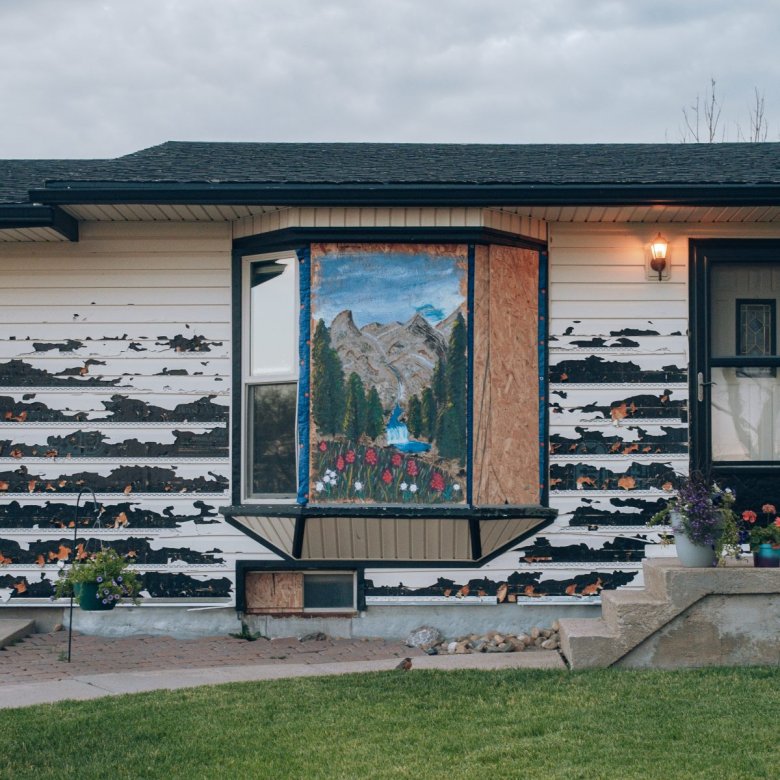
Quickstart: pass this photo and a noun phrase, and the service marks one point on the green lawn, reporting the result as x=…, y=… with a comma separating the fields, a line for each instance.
x=720, y=723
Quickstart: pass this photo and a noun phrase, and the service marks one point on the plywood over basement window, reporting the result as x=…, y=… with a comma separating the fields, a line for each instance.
x=274, y=592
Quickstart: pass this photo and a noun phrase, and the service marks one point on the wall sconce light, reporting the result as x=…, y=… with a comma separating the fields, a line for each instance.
x=659, y=260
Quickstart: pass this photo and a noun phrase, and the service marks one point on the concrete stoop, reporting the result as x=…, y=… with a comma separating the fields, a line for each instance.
x=13, y=630
x=682, y=617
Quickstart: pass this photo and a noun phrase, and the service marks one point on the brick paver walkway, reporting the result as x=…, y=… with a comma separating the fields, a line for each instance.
x=38, y=657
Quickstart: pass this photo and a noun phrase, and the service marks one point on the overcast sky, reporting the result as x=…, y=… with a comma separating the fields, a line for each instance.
x=102, y=78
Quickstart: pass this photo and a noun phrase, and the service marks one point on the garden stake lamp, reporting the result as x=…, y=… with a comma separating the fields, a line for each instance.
x=97, y=511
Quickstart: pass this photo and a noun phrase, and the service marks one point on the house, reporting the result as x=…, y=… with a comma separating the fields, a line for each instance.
x=331, y=380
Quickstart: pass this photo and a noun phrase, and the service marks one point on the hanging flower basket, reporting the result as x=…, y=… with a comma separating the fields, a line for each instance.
x=91, y=599
x=100, y=582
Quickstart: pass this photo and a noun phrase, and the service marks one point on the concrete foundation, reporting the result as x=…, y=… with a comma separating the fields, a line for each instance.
x=376, y=622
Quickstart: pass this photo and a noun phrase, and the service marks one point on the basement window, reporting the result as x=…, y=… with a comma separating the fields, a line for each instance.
x=329, y=592
x=297, y=592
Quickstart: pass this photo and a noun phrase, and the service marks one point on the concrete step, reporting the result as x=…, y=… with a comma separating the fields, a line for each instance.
x=12, y=630
x=632, y=610
x=586, y=641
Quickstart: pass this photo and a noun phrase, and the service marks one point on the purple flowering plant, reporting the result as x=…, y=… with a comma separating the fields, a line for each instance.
x=704, y=512
x=108, y=569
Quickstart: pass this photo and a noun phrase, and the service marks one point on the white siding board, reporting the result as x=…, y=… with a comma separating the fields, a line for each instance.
x=64, y=314
x=150, y=283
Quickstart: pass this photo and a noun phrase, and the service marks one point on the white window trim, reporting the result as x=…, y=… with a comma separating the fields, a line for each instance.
x=248, y=379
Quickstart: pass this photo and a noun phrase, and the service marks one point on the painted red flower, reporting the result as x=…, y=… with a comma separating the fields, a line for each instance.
x=350, y=456
x=437, y=482
x=396, y=459
x=769, y=509
x=387, y=477
x=323, y=446
x=411, y=468
x=777, y=521
x=340, y=463
x=371, y=457
x=749, y=516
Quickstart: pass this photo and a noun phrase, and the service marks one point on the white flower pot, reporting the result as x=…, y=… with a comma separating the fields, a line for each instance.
x=695, y=556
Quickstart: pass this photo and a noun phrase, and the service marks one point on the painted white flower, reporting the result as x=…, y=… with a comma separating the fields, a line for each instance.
x=319, y=487
x=60, y=564
x=412, y=488
x=404, y=486
x=330, y=473
x=456, y=487
x=358, y=485
x=326, y=479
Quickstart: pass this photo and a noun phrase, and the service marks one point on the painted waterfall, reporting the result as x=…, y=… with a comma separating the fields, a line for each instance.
x=389, y=373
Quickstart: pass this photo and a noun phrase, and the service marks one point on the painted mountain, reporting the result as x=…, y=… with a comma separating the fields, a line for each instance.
x=398, y=358
x=389, y=374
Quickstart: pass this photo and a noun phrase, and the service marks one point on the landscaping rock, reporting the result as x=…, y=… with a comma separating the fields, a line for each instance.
x=424, y=637
x=316, y=636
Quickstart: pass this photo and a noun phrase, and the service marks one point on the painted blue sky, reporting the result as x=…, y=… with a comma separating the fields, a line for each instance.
x=388, y=286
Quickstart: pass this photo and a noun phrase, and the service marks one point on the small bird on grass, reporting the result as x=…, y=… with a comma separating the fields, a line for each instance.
x=405, y=665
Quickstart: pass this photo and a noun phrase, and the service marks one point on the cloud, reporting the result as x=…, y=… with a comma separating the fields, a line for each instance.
x=107, y=77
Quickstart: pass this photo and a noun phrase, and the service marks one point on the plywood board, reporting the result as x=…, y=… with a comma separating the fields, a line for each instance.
x=274, y=592
x=506, y=405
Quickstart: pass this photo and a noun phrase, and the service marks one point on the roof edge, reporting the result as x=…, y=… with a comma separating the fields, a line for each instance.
x=379, y=194
x=23, y=215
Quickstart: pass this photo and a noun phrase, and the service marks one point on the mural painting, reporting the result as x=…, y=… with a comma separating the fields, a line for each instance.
x=389, y=374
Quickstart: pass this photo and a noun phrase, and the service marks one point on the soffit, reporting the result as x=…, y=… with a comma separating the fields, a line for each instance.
x=596, y=214
x=152, y=212
x=650, y=213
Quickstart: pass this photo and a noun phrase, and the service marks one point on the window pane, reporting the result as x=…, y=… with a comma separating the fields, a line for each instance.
x=272, y=439
x=745, y=415
x=742, y=312
x=273, y=317
x=756, y=327
x=328, y=591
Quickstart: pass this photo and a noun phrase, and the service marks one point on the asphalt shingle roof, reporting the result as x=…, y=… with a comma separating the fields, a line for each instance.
x=423, y=164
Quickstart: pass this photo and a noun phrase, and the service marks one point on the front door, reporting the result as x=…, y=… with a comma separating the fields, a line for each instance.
x=734, y=382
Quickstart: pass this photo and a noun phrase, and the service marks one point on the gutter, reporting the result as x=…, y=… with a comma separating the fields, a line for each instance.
x=22, y=215
x=379, y=194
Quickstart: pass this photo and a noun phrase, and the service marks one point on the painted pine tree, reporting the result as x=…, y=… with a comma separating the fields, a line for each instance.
x=451, y=424
x=414, y=416
x=327, y=383
x=375, y=416
x=355, y=412
x=428, y=422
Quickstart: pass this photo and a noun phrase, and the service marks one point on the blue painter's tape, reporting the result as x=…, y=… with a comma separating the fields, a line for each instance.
x=304, y=376
x=542, y=358
x=470, y=387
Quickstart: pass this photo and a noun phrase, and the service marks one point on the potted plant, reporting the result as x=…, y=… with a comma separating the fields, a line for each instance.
x=703, y=520
x=763, y=534
x=100, y=582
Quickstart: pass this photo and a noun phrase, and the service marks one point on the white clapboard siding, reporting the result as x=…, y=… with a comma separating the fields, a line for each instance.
x=171, y=311
x=113, y=304
x=116, y=332
x=93, y=401
x=110, y=348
